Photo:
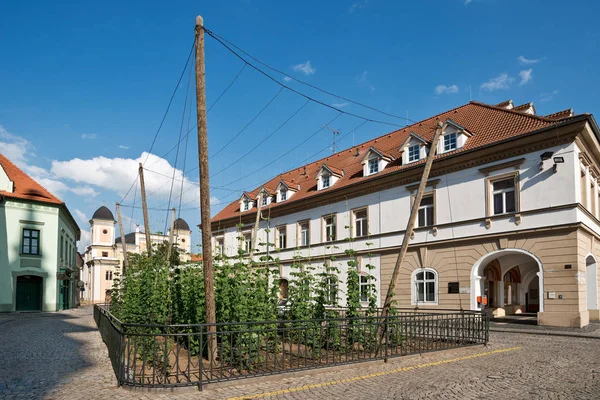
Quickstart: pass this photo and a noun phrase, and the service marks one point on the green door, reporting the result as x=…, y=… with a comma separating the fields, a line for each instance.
x=29, y=293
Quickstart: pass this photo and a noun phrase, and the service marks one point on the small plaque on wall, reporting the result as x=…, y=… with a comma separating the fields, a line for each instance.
x=453, y=287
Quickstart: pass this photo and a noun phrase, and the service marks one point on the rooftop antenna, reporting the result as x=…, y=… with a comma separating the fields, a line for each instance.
x=335, y=133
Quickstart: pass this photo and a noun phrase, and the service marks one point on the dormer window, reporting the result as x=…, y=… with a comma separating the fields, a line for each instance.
x=265, y=200
x=326, y=179
x=450, y=141
x=328, y=176
x=414, y=153
x=283, y=194
x=246, y=205
x=373, y=166
x=374, y=161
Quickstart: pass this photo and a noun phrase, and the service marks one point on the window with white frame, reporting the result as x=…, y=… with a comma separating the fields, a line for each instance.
x=329, y=228
x=246, y=205
x=503, y=196
x=282, y=236
x=283, y=194
x=220, y=246
x=326, y=180
x=450, y=141
x=247, y=242
x=304, y=233
x=414, y=153
x=265, y=200
x=361, y=223
x=364, y=287
x=373, y=165
x=425, y=286
x=331, y=290
x=426, y=211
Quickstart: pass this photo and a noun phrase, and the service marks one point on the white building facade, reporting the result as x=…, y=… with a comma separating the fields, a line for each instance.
x=509, y=219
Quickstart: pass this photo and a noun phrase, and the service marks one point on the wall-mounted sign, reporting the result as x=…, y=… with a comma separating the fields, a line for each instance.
x=551, y=295
x=453, y=287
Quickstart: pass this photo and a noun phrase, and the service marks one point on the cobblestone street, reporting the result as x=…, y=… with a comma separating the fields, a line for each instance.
x=61, y=355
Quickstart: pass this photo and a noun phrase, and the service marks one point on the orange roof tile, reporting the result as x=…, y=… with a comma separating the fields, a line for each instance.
x=486, y=123
x=561, y=114
x=24, y=186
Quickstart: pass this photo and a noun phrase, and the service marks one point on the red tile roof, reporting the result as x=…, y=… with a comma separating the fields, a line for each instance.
x=561, y=114
x=25, y=187
x=486, y=123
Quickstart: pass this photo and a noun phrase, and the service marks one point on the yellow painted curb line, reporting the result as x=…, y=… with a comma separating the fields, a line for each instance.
x=373, y=375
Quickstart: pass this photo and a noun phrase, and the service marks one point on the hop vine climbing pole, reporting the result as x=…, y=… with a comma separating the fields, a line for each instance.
x=207, y=265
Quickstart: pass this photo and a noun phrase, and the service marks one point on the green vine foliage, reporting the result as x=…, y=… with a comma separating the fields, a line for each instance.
x=157, y=291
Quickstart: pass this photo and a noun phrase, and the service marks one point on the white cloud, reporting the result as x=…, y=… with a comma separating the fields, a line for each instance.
x=468, y=2
x=117, y=174
x=357, y=5
x=287, y=78
x=544, y=97
x=363, y=80
x=340, y=105
x=84, y=240
x=89, y=136
x=443, y=89
x=528, y=61
x=123, y=147
x=306, y=68
x=80, y=216
x=14, y=147
x=502, y=81
x=214, y=200
x=526, y=75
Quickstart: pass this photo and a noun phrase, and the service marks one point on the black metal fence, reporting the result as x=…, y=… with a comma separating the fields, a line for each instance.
x=184, y=355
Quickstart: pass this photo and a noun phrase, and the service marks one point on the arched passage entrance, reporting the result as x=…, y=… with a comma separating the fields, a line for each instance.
x=511, y=281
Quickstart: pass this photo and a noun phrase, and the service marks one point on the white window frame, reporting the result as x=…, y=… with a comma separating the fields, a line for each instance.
x=283, y=194
x=301, y=243
x=448, y=142
x=363, y=285
x=364, y=221
x=415, y=285
x=265, y=200
x=332, y=287
x=326, y=237
x=424, y=208
x=411, y=153
x=220, y=248
x=246, y=204
x=247, y=242
x=325, y=183
x=281, y=234
x=503, y=192
x=373, y=165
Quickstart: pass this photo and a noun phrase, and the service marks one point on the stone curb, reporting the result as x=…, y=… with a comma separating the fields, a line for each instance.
x=545, y=333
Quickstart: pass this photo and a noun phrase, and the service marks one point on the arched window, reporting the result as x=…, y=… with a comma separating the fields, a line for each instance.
x=425, y=286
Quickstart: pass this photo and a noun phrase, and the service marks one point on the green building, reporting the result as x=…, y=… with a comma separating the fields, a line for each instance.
x=38, y=245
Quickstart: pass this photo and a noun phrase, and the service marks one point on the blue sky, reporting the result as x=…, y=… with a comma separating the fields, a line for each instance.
x=84, y=85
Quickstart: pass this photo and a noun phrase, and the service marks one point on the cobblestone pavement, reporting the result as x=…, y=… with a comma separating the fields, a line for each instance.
x=61, y=355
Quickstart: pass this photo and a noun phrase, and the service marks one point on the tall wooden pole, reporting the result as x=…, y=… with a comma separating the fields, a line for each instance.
x=171, y=236
x=414, y=211
x=256, y=222
x=145, y=210
x=207, y=265
x=411, y=220
x=123, y=244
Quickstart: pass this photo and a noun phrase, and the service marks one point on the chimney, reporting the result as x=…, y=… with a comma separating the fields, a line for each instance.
x=357, y=152
x=304, y=173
